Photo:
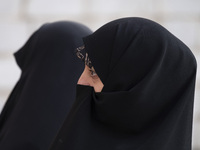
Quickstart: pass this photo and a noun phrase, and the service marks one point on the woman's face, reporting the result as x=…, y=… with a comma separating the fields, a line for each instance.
x=90, y=78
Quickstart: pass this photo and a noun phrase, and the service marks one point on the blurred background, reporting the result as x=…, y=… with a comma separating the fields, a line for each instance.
x=20, y=18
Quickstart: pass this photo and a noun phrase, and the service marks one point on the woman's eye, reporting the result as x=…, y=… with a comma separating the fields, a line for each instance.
x=92, y=72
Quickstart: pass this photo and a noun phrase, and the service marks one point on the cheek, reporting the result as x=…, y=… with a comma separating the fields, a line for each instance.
x=98, y=85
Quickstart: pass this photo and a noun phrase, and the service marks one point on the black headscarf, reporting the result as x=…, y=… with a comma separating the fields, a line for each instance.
x=147, y=99
x=42, y=98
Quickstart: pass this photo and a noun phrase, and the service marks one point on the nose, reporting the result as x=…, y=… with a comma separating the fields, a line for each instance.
x=84, y=78
x=83, y=81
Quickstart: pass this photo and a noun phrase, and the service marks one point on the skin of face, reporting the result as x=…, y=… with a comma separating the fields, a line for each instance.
x=90, y=78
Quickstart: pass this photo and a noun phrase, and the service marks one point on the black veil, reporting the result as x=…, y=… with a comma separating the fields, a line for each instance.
x=43, y=96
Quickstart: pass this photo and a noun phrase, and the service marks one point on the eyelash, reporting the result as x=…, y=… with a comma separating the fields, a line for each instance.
x=92, y=72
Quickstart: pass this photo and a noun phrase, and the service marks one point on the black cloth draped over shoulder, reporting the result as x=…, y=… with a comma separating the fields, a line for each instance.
x=44, y=94
x=147, y=99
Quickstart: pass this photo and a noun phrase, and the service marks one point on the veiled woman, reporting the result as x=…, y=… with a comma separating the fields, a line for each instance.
x=42, y=98
x=136, y=92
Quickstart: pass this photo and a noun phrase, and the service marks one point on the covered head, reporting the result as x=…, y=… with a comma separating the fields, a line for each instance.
x=126, y=51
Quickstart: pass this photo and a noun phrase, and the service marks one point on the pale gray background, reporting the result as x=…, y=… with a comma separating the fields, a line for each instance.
x=19, y=18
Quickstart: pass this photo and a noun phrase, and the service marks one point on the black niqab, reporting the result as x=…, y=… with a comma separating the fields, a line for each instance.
x=43, y=96
x=147, y=99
